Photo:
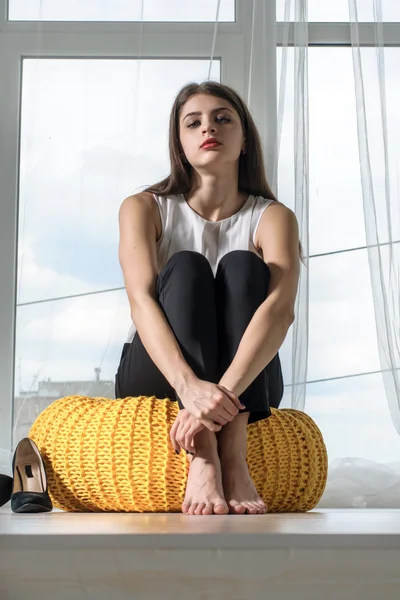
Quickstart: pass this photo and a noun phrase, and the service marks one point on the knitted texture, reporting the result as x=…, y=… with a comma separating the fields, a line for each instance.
x=116, y=455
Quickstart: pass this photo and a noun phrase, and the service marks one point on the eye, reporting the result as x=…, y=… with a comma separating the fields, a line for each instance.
x=219, y=119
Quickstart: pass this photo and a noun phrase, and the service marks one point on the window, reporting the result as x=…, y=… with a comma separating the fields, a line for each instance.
x=78, y=162
x=120, y=10
x=336, y=208
x=354, y=418
x=345, y=390
x=339, y=11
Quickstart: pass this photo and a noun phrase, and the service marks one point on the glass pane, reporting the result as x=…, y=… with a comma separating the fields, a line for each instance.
x=336, y=206
x=342, y=322
x=121, y=10
x=93, y=132
x=80, y=156
x=339, y=10
x=354, y=418
x=65, y=348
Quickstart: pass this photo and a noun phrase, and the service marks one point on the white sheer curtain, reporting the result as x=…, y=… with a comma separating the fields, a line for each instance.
x=301, y=187
x=128, y=165
x=353, y=481
x=380, y=206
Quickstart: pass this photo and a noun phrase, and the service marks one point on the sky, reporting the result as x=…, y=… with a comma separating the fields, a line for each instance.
x=95, y=131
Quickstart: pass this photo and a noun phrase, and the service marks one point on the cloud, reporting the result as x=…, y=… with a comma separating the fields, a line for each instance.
x=66, y=339
x=36, y=277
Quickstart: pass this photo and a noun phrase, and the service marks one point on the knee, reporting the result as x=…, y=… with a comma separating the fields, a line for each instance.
x=191, y=263
x=245, y=266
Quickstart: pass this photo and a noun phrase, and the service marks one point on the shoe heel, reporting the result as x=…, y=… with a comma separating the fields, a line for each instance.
x=30, y=492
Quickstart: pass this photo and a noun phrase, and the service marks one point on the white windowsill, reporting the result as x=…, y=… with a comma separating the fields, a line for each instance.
x=332, y=528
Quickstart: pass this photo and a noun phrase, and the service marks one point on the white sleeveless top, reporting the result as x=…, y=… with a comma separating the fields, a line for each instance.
x=184, y=229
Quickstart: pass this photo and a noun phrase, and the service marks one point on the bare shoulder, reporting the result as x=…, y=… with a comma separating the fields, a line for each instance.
x=278, y=208
x=144, y=199
x=143, y=202
x=276, y=219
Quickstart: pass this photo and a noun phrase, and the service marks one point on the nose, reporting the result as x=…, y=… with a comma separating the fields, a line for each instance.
x=209, y=127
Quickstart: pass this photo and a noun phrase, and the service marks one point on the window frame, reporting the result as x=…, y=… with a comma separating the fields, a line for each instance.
x=19, y=40
x=234, y=46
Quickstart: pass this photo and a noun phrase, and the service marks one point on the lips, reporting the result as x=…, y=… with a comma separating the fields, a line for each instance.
x=210, y=144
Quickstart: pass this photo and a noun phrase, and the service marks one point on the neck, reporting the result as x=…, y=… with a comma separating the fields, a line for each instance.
x=215, y=198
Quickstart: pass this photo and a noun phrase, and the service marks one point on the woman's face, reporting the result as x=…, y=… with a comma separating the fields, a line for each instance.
x=217, y=118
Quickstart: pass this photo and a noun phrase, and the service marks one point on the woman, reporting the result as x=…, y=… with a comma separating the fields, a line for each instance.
x=210, y=261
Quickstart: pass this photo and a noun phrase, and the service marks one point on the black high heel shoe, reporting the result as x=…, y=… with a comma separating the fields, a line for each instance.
x=6, y=484
x=30, y=492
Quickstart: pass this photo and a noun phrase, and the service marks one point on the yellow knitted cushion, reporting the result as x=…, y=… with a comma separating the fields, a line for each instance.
x=116, y=455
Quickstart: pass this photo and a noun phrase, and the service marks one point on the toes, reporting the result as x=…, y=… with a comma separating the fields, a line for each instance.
x=237, y=508
x=204, y=508
x=240, y=509
x=246, y=506
x=262, y=506
x=221, y=509
x=254, y=509
x=192, y=508
x=208, y=510
x=200, y=508
x=250, y=508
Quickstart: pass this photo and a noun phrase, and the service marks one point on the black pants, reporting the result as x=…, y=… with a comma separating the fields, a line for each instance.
x=208, y=317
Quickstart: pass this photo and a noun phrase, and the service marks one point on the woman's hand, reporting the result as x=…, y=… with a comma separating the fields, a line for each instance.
x=183, y=431
x=210, y=402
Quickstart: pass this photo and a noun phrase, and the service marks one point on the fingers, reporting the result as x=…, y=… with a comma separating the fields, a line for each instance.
x=195, y=429
x=189, y=438
x=184, y=439
x=217, y=419
x=182, y=433
x=216, y=413
x=211, y=425
x=224, y=401
x=187, y=435
x=173, y=434
x=227, y=416
x=215, y=427
x=232, y=397
x=226, y=408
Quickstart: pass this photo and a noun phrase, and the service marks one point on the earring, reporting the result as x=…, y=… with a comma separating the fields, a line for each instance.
x=244, y=151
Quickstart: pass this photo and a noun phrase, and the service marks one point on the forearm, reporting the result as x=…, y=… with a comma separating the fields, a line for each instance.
x=160, y=342
x=260, y=343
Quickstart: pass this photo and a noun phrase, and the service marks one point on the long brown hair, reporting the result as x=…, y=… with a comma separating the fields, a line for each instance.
x=252, y=177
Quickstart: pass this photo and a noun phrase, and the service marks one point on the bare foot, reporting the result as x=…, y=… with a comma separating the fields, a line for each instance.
x=238, y=486
x=204, y=492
